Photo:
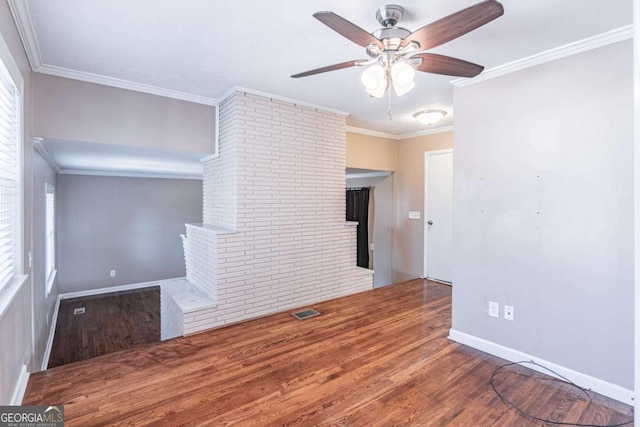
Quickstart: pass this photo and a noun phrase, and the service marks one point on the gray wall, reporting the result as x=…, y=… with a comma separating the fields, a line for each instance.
x=78, y=111
x=131, y=225
x=543, y=220
x=43, y=304
x=382, y=227
x=15, y=321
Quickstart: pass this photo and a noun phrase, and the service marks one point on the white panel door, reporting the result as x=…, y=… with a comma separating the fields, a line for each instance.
x=438, y=231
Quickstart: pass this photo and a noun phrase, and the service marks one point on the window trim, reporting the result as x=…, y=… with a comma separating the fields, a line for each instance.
x=50, y=274
x=11, y=289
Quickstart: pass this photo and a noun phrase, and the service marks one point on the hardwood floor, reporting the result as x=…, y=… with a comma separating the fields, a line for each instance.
x=111, y=322
x=379, y=358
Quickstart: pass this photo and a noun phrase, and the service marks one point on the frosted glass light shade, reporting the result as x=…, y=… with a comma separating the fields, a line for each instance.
x=374, y=80
x=402, y=75
x=430, y=117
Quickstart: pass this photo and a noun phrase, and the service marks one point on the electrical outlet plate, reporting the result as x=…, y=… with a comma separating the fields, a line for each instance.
x=112, y=273
x=508, y=312
x=494, y=309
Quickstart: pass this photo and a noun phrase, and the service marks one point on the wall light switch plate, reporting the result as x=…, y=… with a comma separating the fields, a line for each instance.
x=494, y=309
x=414, y=214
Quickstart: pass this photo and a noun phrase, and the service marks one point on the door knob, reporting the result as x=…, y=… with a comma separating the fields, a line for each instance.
x=430, y=222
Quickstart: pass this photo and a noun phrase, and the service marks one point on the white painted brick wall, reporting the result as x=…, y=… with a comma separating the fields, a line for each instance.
x=200, y=258
x=282, y=168
x=171, y=318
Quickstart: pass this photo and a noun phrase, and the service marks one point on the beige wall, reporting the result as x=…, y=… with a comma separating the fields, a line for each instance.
x=78, y=111
x=371, y=152
x=406, y=158
x=408, y=249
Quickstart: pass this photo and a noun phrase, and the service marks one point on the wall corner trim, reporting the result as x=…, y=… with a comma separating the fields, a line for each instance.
x=605, y=388
x=40, y=146
x=52, y=332
x=21, y=387
x=604, y=39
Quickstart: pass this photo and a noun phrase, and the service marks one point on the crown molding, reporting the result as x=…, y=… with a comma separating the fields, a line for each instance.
x=377, y=134
x=368, y=132
x=40, y=146
x=426, y=132
x=604, y=39
x=130, y=174
x=124, y=84
x=235, y=89
x=22, y=17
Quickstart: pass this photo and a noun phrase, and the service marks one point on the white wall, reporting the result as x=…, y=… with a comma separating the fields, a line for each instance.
x=543, y=217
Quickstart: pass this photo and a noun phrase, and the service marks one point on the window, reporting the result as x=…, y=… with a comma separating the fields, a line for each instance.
x=50, y=238
x=10, y=187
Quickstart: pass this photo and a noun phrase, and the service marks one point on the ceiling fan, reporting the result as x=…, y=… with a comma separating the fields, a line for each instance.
x=395, y=52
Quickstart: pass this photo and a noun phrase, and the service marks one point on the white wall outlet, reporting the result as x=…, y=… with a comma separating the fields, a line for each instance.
x=508, y=312
x=112, y=273
x=494, y=309
x=414, y=214
x=371, y=246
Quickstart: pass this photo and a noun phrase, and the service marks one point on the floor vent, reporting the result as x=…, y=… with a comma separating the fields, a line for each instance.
x=78, y=310
x=301, y=315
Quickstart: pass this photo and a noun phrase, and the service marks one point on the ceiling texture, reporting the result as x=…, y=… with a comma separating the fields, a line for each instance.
x=198, y=50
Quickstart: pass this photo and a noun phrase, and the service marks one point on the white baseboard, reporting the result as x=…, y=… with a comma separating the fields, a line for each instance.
x=583, y=380
x=21, y=387
x=52, y=332
x=91, y=292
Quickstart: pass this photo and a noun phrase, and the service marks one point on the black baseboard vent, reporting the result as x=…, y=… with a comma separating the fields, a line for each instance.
x=305, y=314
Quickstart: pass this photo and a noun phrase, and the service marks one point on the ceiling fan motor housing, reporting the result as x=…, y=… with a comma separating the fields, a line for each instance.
x=389, y=15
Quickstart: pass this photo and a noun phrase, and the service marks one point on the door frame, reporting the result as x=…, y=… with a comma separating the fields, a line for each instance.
x=426, y=206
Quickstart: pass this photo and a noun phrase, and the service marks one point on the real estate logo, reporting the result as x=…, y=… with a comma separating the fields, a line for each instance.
x=32, y=416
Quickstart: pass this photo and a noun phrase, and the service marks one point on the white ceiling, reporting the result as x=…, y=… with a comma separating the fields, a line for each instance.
x=204, y=48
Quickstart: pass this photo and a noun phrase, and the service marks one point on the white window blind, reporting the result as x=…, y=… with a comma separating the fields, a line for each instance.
x=9, y=178
x=50, y=254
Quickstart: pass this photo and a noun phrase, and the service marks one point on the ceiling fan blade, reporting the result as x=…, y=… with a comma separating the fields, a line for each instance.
x=440, y=64
x=329, y=68
x=455, y=25
x=347, y=29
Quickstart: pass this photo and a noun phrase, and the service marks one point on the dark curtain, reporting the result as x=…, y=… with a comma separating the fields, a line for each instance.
x=358, y=210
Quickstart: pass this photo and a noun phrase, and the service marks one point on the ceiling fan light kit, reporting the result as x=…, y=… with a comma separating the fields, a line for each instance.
x=396, y=53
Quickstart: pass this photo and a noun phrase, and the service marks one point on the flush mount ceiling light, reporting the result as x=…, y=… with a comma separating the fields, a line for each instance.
x=430, y=117
x=395, y=53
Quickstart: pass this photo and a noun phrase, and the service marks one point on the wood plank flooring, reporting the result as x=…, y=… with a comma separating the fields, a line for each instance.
x=378, y=358
x=111, y=322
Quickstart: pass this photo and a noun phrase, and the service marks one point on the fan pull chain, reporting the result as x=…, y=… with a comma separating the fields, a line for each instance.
x=389, y=110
